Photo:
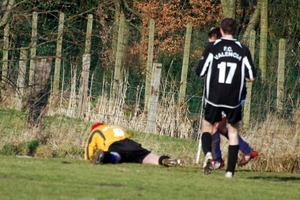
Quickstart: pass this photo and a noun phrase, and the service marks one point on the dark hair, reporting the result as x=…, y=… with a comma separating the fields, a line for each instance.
x=214, y=32
x=229, y=26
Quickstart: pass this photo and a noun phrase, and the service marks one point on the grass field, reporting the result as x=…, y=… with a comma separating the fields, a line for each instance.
x=57, y=169
x=56, y=178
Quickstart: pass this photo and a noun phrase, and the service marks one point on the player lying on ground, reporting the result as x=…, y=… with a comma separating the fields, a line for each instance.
x=113, y=144
x=220, y=127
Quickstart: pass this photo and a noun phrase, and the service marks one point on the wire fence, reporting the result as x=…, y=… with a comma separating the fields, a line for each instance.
x=39, y=34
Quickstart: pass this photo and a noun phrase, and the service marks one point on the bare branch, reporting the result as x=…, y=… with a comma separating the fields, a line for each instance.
x=254, y=20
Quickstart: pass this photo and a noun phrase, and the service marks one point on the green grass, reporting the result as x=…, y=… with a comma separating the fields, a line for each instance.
x=57, y=178
x=67, y=176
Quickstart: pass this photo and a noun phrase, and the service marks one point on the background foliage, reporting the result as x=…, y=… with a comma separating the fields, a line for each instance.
x=171, y=20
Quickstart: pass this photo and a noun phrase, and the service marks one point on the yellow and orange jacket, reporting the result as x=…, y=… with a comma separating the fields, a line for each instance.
x=101, y=137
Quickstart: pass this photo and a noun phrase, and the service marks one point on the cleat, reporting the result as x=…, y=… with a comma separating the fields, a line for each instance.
x=216, y=165
x=207, y=163
x=169, y=162
x=247, y=157
x=228, y=175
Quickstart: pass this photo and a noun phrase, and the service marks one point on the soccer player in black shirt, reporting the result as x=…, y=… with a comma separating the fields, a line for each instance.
x=227, y=64
x=221, y=127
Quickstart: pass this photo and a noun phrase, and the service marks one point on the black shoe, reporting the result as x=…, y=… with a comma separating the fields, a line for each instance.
x=169, y=162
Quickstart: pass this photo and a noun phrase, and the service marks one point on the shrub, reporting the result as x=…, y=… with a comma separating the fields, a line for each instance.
x=9, y=149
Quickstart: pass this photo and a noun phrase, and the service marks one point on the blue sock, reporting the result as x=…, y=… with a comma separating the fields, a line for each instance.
x=113, y=158
x=243, y=145
x=216, y=150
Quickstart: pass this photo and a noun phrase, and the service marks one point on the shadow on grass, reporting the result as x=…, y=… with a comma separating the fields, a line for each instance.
x=276, y=178
x=110, y=185
x=268, y=177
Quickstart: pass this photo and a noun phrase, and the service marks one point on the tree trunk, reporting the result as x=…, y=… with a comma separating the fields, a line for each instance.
x=228, y=8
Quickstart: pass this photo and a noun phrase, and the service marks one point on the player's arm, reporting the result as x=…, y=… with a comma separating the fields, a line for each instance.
x=89, y=149
x=250, y=68
x=204, y=61
x=94, y=142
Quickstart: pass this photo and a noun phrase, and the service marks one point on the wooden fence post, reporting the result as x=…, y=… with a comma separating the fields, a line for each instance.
x=185, y=64
x=86, y=62
x=40, y=91
x=149, y=61
x=263, y=39
x=73, y=98
x=33, y=47
x=21, y=77
x=88, y=36
x=84, y=83
x=153, y=99
x=247, y=106
x=280, y=73
x=5, y=54
x=119, y=56
x=55, y=90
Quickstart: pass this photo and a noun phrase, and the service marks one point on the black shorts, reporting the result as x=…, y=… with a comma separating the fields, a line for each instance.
x=129, y=150
x=213, y=114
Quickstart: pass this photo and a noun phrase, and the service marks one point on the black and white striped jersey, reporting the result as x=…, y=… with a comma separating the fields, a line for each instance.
x=226, y=63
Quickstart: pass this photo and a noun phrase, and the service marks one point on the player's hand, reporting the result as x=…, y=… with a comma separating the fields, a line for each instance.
x=249, y=80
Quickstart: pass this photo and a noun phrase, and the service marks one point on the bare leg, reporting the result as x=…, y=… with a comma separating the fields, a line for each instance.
x=207, y=127
x=151, y=158
x=244, y=146
x=233, y=134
